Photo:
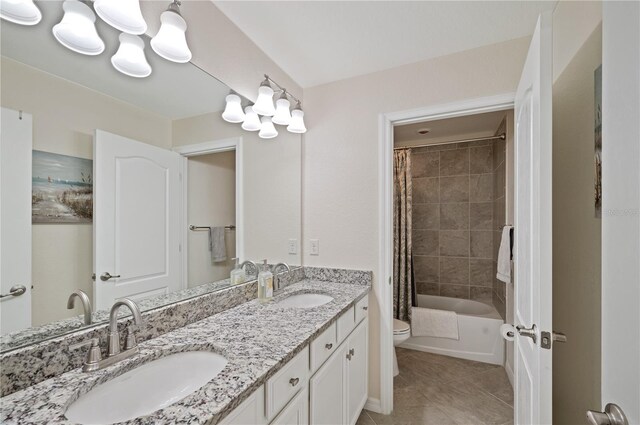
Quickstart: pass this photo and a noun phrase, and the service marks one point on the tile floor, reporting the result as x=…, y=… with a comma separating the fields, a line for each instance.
x=441, y=390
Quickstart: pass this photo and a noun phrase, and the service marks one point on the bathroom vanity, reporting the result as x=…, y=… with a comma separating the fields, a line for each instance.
x=300, y=358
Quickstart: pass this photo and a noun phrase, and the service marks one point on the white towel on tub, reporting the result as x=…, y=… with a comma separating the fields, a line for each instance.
x=504, y=255
x=432, y=322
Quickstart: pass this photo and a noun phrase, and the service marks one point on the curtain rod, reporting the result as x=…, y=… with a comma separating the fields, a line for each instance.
x=477, y=139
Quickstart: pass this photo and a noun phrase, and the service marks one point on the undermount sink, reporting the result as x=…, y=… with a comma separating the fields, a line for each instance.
x=147, y=388
x=305, y=301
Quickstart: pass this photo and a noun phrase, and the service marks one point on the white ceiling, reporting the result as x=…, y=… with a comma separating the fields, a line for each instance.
x=316, y=42
x=449, y=129
x=172, y=90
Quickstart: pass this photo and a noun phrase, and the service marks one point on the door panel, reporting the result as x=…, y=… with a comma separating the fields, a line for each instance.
x=15, y=219
x=532, y=248
x=137, y=219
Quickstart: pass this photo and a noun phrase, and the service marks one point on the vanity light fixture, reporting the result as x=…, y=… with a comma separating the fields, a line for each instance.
x=297, y=120
x=264, y=103
x=233, y=110
x=130, y=58
x=251, y=120
x=77, y=30
x=23, y=12
x=267, y=129
x=170, y=43
x=282, y=115
x=123, y=15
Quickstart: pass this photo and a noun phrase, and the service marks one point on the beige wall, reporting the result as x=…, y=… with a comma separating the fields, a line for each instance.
x=340, y=205
x=271, y=184
x=509, y=219
x=211, y=201
x=576, y=237
x=62, y=123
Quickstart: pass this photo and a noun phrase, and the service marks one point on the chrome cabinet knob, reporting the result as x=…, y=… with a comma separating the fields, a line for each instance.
x=15, y=291
x=106, y=276
x=328, y=346
x=294, y=381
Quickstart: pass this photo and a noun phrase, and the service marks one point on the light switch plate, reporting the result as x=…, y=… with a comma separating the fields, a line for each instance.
x=315, y=247
x=293, y=246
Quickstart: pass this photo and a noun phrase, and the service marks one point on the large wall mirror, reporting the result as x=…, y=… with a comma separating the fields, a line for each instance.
x=122, y=178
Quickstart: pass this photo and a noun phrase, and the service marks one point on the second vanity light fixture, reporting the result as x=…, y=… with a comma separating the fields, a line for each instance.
x=279, y=114
x=77, y=30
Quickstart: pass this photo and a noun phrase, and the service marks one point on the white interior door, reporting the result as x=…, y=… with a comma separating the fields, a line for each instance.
x=532, y=256
x=15, y=220
x=137, y=207
x=621, y=208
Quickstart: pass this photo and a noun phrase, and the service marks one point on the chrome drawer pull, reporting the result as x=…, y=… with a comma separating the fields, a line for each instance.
x=328, y=346
x=294, y=381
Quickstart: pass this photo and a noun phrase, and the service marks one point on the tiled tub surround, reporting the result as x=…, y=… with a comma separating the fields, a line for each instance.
x=256, y=339
x=453, y=223
x=28, y=365
x=498, y=295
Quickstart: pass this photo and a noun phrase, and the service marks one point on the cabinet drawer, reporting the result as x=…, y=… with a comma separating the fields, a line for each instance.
x=251, y=411
x=322, y=347
x=286, y=383
x=346, y=323
x=362, y=309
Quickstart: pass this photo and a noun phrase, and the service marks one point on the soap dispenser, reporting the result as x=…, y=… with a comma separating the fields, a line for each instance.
x=265, y=283
x=238, y=275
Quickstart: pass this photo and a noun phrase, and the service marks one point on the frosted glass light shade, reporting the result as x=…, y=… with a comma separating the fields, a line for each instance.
x=264, y=103
x=130, y=58
x=123, y=15
x=251, y=120
x=282, y=115
x=77, y=30
x=233, y=110
x=297, y=121
x=267, y=129
x=170, y=43
x=23, y=12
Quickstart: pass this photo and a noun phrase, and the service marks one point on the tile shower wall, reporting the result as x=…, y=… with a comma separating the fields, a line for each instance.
x=498, y=295
x=453, y=220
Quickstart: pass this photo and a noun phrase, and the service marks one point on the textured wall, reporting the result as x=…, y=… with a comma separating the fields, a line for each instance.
x=499, y=293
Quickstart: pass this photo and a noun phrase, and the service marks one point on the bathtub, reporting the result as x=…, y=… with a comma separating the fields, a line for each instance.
x=478, y=328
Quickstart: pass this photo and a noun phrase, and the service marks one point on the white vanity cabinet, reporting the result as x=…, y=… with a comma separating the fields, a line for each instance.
x=325, y=384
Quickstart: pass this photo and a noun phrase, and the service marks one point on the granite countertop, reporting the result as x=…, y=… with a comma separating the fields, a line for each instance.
x=257, y=340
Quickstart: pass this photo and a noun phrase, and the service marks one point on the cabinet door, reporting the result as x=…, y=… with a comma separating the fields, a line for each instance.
x=357, y=372
x=251, y=411
x=296, y=412
x=328, y=392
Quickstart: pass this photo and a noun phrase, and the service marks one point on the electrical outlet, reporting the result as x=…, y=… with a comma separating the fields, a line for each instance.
x=293, y=246
x=315, y=247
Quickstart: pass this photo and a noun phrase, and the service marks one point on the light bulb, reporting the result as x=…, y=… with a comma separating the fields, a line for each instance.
x=297, y=120
x=170, y=43
x=23, y=12
x=233, y=111
x=282, y=115
x=251, y=120
x=130, y=58
x=267, y=129
x=123, y=15
x=264, y=103
x=77, y=30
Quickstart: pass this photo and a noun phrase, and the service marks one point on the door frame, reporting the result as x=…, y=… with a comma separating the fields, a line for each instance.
x=205, y=148
x=384, y=292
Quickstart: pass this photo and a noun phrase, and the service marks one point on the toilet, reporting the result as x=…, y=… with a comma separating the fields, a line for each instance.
x=401, y=332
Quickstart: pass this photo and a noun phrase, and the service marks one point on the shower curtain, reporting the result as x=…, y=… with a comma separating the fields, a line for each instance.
x=402, y=248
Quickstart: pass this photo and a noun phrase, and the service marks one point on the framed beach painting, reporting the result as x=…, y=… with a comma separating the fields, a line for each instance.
x=62, y=189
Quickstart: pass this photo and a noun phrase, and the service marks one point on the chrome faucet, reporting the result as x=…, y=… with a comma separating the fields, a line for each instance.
x=276, y=280
x=93, y=360
x=86, y=304
x=252, y=264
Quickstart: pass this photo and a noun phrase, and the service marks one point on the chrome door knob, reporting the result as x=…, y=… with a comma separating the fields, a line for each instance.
x=528, y=332
x=612, y=415
x=15, y=291
x=106, y=276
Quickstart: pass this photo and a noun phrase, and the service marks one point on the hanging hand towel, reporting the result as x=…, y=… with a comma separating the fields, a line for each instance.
x=504, y=255
x=217, y=245
x=432, y=322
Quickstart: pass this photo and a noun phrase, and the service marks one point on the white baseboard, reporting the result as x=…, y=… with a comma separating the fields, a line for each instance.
x=373, y=404
x=509, y=370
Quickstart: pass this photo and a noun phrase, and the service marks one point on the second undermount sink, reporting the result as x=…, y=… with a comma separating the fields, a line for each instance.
x=147, y=388
x=305, y=301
